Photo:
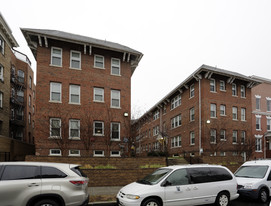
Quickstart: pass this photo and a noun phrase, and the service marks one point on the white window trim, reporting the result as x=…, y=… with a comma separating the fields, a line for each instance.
x=94, y=128
x=235, y=88
x=192, y=89
x=59, y=56
x=234, y=113
x=112, y=91
x=215, y=114
x=114, y=155
x=1, y=73
x=75, y=59
x=192, y=137
x=50, y=152
x=243, y=87
x=3, y=45
x=55, y=137
x=176, y=101
x=235, y=132
x=115, y=66
x=70, y=94
x=74, y=155
x=111, y=130
x=224, y=84
x=98, y=155
x=213, y=80
x=224, y=110
x=55, y=101
x=243, y=115
x=94, y=93
x=95, y=61
x=1, y=99
x=70, y=137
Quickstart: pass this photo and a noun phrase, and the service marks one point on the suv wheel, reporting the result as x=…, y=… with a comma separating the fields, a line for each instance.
x=263, y=195
x=222, y=199
x=46, y=202
x=151, y=202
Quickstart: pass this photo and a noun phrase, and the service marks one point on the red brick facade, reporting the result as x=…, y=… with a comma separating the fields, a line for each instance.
x=201, y=131
x=88, y=110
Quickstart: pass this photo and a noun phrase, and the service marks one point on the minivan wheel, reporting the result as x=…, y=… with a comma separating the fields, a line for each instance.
x=151, y=202
x=263, y=195
x=46, y=202
x=222, y=199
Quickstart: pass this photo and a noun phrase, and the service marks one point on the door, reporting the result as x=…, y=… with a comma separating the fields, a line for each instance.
x=177, y=189
x=18, y=184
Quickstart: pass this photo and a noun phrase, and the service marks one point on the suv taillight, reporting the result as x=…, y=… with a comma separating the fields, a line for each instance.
x=78, y=182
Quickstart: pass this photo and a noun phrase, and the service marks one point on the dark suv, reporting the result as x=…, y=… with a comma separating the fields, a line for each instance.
x=42, y=184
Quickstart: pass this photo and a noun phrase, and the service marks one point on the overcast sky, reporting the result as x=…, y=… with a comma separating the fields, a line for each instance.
x=175, y=36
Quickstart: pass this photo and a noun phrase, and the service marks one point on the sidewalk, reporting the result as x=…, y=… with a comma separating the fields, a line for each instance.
x=103, y=194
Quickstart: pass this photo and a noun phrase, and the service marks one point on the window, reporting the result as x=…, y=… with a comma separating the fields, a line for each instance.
x=212, y=85
x=258, y=102
x=20, y=76
x=51, y=172
x=20, y=96
x=98, y=94
x=213, y=110
x=155, y=130
x=115, y=98
x=20, y=114
x=156, y=115
x=98, y=153
x=258, y=143
x=56, y=56
x=55, y=127
x=74, y=152
x=98, y=61
x=75, y=60
x=55, y=91
x=222, y=85
x=1, y=73
x=234, y=137
x=29, y=100
x=74, y=94
x=20, y=172
x=29, y=118
x=74, y=129
x=268, y=124
x=176, y=141
x=115, y=66
x=176, y=101
x=176, y=121
x=2, y=45
x=223, y=135
x=222, y=110
x=212, y=136
x=192, y=138
x=243, y=114
x=192, y=90
x=234, y=113
x=55, y=152
x=115, y=131
x=115, y=153
x=192, y=114
x=243, y=137
x=268, y=104
x=258, y=122
x=234, y=90
x=178, y=177
x=98, y=128
x=243, y=91
x=1, y=99
x=30, y=82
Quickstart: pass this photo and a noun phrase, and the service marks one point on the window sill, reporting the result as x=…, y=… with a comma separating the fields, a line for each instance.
x=75, y=103
x=75, y=68
x=99, y=101
x=59, y=66
x=74, y=138
x=54, y=137
x=98, y=135
x=115, y=107
x=59, y=102
x=115, y=140
x=98, y=68
x=116, y=75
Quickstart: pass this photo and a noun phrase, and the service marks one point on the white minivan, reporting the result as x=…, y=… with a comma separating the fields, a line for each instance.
x=181, y=185
x=254, y=179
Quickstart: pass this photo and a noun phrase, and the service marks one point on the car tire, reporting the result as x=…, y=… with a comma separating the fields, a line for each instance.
x=222, y=199
x=151, y=202
x=46, y=202
x=263, y=195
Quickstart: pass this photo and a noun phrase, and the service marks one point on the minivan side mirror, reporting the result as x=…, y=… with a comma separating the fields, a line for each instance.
x=166, y=183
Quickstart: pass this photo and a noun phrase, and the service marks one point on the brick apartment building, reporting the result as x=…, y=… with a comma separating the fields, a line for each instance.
x=208, y=114
x=16, y=98
x=261, y=117
x=83, y=94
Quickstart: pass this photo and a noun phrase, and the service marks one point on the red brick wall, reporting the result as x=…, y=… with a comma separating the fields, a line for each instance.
x=126, y=170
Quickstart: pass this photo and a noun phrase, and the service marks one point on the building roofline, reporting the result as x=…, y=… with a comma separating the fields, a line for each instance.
x=209, y=71
x=262, y=79
x=7, y=31
x=128, y=54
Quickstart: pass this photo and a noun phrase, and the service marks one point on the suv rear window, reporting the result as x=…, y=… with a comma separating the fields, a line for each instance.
x=52, y=172
x=78, y=171
x=18, y=172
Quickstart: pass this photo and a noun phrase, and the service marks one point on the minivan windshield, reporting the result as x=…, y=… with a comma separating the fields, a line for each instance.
x=155, y=177
x=256, y=171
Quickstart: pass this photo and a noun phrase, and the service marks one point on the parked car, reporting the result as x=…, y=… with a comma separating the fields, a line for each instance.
x=181, y=185
x=40, y=184
x=254, y=179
